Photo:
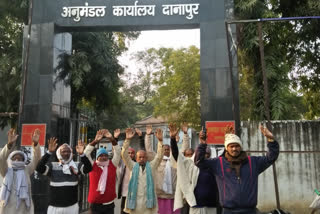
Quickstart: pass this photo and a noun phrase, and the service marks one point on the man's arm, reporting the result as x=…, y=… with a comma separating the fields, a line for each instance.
x=124, y=153
x=36, y=152
x=159, y=156
x=89, y=148
x=185, y=139
x=86, y=164
x=264, y=162
x=42, y=166
x=174, y=148
x=116, y=148
x=148, y=143
x=6, y=150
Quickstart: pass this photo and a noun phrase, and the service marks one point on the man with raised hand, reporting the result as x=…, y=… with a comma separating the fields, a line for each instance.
x=165, y=175
x=141, y=196
x=102, y=189
x=15, y=196
x=124, y=172
x=63, y=174
x=237, y=173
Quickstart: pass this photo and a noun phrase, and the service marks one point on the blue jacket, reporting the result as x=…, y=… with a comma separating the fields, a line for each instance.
x=237, y=192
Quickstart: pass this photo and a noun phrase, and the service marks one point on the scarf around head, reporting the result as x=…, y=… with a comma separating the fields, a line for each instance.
x=236, y=162
x=67, y=165
x=22, y=190
x=103, y=177
x=167, y=180
x=133, y=187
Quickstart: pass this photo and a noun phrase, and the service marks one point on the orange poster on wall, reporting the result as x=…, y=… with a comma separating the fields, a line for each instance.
x=216, y=131
x=27, y=131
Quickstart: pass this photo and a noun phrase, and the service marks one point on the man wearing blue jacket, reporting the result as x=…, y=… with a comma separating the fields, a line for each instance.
x=237, y=173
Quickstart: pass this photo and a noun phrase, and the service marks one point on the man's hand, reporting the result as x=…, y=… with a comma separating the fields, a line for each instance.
x=107, y=135
x=116, y=133
x=173, y=130
x=129, y=133
x=35, y=137
x=148, y=129
x=98, y=137
x=265, y=131
x=139, y=132
x=52, y=144
x=12, y=137
x=185, y=128
x=159, y=134
x=229, y=129
x=80, y=147
x=202, y=136
x=177, y=138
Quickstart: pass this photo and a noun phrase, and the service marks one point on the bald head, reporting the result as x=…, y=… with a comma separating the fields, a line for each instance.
x=141, y=157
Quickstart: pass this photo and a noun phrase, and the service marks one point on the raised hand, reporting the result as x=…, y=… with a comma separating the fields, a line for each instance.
x=148, y=129
x=116, y=133
x=98, y=137
x=80, y=147
x=202, y=136
x=52, y=144
x=12, y=137
x=229, y=129
x=177, y=138
x=107, y=134
x=173, y=130
x=139, y=132
x=265, y=131
x=129, y=133
x=35, y=137
x=184, y=128
x=159, y=134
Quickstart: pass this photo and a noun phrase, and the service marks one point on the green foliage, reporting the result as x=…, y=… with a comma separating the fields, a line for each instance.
x=93, y=69
x=291, y=56
x=10, y=67
x=177, y=82
x=135, y=99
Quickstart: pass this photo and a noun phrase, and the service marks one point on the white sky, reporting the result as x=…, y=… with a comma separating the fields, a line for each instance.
x=156, y=39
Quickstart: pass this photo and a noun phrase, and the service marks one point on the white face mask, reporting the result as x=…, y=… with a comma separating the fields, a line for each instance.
x=17, y=165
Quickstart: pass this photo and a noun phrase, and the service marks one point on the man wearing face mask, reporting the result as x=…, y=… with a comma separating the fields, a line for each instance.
x=237, y=173
x=102, y=189
x=16, y=187
x=63, y=174
x=141, y=196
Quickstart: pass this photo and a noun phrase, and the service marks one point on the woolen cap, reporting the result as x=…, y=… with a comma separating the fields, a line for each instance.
x=231, y=138
x=101, y=151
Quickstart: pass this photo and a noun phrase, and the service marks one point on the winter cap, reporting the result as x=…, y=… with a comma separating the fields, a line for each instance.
x=101, y=151
x=131, y=149
x=231, y=138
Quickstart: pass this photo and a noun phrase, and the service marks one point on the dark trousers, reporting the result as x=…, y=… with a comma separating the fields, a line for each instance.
x=101, y=209
x=185, y=209
x=239, y=211
x=123, y=202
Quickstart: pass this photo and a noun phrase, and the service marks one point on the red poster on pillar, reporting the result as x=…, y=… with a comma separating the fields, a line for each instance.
x=216, y=131
x=27, y=131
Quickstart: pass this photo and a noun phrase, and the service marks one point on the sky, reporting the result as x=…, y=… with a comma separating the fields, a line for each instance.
x=156, y=39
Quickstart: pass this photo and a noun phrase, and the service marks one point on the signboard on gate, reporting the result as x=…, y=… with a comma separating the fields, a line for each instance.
x=27, y=131
x=216, y=131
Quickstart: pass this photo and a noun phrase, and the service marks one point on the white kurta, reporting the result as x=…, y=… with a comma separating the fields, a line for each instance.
x=142, y=182
x=29, y=169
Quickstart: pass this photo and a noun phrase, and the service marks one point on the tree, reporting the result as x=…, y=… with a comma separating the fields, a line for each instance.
x=281, y=41
x=177, y=83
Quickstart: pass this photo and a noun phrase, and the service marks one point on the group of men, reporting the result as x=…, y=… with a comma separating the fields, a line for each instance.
x=166, y=181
